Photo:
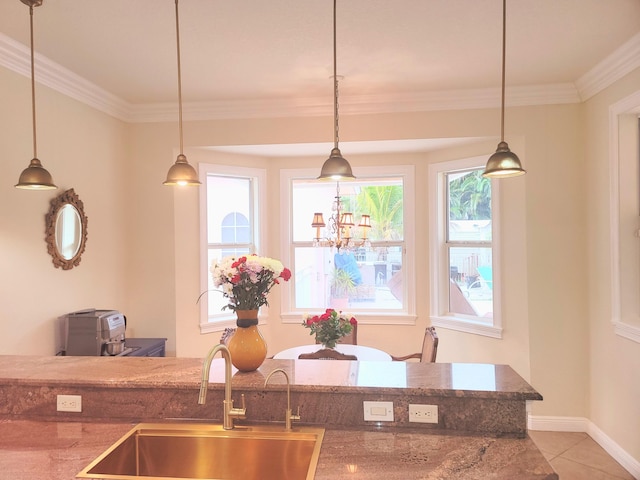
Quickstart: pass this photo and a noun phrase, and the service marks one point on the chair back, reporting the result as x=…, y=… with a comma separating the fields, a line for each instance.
x=429, y=345
x=351, y=339
x=226, y=335
x=326, y=354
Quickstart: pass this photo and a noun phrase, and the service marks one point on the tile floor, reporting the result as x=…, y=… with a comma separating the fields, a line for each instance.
x=576, y=456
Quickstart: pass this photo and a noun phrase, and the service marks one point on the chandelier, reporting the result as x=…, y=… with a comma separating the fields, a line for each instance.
x=340, y=227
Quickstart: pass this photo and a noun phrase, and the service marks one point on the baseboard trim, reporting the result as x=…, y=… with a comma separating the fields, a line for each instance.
x=581, y=424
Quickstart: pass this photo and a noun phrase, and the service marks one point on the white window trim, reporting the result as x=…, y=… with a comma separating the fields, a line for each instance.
x=627, y=106
x=439, y=274
x=260, y=176
x=407, y=172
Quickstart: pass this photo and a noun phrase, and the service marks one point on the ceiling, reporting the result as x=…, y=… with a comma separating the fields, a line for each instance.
x=241, y=55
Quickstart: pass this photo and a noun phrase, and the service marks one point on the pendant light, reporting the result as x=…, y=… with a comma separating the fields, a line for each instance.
x=503, y=163
x=35, y=176
x=180, y=173
x=336, y=167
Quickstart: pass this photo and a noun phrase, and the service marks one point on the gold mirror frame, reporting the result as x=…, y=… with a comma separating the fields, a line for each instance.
x=51, y=223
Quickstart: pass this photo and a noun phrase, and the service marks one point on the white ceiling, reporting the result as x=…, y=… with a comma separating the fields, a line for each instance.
x=256, y=55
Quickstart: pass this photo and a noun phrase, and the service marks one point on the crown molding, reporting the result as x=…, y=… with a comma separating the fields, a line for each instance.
x=16, y=57
x=622, y=61
x=359, y=104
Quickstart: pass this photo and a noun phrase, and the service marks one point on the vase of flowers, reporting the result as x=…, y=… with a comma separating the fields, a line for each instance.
x=246, y=281
x=329, y=327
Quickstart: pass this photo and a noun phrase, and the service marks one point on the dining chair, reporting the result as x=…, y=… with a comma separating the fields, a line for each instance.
x=326, y=354
x=429, y=348
x=351, y=339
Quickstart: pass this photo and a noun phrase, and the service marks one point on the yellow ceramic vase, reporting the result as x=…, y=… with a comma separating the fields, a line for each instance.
x=247, y=347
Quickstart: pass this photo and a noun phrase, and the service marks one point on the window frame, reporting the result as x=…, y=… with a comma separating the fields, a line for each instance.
x=378, y=317
x=258, y=177
x=438, y=252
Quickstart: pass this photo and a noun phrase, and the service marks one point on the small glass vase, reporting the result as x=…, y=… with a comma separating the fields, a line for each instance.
x=247, y=346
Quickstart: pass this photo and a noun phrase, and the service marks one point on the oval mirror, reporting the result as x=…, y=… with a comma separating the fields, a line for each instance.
x=66, y=230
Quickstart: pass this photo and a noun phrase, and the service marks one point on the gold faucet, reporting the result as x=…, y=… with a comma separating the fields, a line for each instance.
x=229, y=412
x=288, y=415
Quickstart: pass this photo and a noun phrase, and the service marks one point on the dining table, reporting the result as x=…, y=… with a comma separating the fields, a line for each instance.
x=360, y=351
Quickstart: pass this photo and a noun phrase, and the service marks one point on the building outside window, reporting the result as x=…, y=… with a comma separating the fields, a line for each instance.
x=463, y=247
x=230, y=225
x=372, y=279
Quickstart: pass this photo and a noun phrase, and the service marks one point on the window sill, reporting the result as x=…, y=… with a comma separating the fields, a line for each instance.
x=219, y=325
x=467, y=326
x=363, y=319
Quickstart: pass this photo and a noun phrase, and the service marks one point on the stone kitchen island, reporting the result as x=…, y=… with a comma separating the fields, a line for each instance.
x=480, y=434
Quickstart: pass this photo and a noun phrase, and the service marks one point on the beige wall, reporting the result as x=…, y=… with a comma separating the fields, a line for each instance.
x=614, y=361
x=84, y=150
x=142, y=253
x=544, y=338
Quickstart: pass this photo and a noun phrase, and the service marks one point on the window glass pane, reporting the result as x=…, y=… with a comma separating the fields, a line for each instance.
x=382, y=199
x=361, y=279
x=469, y=206
x=228, y=207
x=235, y=228
x=471, y=281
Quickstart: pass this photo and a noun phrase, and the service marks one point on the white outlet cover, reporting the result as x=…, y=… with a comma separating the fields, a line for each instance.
x=423, y=413
x=69, y=403
x=378, y=411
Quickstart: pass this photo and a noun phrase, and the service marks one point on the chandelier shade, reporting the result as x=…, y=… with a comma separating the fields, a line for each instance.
x=503, y=163
x=35, y=176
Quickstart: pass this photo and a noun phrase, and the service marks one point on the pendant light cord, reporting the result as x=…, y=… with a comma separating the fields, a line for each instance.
x=504, y=50
x=179, y=79
x=33, y=86
x=335, y=81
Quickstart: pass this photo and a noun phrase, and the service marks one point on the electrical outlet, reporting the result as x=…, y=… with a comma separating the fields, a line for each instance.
x=423, y=413
x=69, y=403
x=378, y=411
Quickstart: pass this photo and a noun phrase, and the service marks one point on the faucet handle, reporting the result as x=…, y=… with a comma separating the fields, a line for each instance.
x=244, y=406
x=297, y=415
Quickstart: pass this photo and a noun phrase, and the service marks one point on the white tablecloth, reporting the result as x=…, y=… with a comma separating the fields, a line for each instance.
x=360, y=351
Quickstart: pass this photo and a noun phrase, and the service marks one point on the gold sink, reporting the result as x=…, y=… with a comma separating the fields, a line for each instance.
x=201, y=451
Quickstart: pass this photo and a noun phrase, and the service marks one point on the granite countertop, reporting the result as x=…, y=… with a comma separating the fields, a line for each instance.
x=441, y=379
x=59, y=450
x=480, y=434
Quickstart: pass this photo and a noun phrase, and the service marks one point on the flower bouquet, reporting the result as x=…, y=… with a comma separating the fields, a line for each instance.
x=329, y=327
x=247, y=280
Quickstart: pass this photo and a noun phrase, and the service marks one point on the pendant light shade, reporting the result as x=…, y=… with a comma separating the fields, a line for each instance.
x=180, y=173
x=503, y=163
x=35, y=176
x=336, y=167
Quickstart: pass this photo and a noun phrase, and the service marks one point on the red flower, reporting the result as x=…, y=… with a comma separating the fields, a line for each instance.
x=286, y=274
x=353, y=321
